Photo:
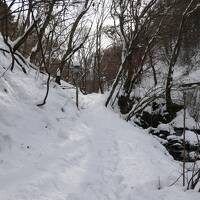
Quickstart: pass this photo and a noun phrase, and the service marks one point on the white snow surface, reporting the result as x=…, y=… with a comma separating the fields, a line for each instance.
x=191, y=137
x=179, y=119
x=57, y=152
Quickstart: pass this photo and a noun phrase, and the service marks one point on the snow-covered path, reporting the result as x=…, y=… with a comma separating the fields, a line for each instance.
x=91, y=154
x=121, y=158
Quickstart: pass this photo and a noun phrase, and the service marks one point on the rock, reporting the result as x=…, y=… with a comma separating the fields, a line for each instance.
x=164, y=133
x=159, y=122
x=178, y=131
x=174, y=108
x=125, y=104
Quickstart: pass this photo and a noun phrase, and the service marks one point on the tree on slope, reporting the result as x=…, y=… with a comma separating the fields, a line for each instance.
x=137, y=34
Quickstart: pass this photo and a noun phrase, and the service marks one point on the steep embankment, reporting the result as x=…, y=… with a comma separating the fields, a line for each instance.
x=56, y=152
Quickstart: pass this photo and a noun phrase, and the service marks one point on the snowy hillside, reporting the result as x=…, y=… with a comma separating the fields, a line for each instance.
x=57, y=152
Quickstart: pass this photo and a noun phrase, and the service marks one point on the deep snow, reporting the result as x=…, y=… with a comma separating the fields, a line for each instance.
x=57, y=152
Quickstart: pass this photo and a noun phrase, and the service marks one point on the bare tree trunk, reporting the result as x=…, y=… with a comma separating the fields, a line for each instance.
x=41, y=31
x=184, y=144
x=174, y=56
x=153, y=68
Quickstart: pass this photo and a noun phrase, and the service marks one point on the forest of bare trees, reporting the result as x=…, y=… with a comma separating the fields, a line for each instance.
x=130, y=50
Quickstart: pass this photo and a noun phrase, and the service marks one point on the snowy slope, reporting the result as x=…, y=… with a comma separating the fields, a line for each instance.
x=57, y=152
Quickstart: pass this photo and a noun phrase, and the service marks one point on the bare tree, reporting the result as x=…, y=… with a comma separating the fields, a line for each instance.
x=174, y=55
x=71, y=46
x=102, y=14
x=135, y=18
x=42, y=28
